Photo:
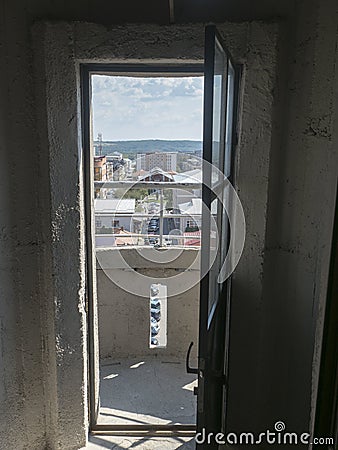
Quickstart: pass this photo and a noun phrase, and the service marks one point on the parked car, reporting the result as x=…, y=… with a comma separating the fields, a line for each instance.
x=152, y=228
x=153, y=241
x=153, y=225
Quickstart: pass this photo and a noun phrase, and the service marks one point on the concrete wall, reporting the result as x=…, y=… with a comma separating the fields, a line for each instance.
x=272, y=372
x=124, y=317
x=275, y=336
x=63, y=264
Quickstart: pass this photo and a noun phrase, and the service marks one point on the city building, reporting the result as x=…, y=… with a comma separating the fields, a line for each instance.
x=128, y=167
x=190, y=164
x=114, y=213
x=115, y=156
x=101, y=173
x=157, y=174
x=100, y=168
x=167, y=161
x=192, y=211
x=184, y=195
x=116, y=169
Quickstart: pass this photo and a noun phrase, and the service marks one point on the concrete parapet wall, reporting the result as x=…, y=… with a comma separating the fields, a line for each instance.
x=124, y=316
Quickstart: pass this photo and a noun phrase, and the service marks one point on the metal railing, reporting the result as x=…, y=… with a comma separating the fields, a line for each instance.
x=146, y=185
x=136, y=239
x=159, y=239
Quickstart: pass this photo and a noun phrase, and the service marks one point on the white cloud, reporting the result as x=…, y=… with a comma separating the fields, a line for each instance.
x=147, y=108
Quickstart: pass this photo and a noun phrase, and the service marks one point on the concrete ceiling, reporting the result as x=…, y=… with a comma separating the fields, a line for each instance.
x=158, y=11
x=233, y=10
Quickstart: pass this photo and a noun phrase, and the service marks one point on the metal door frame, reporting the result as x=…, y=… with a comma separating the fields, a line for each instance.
x=138, y=69
x=222, y=305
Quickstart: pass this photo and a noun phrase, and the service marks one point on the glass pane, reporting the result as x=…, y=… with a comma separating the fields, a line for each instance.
x=214, y=252
x=218, y=127
x=225, y=223
x=229, y=119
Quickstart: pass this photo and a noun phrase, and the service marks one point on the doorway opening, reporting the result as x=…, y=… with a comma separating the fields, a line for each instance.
x=145, y=172
x=171, y=261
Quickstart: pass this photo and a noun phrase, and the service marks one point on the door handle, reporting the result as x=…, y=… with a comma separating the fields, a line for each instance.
x=187, y=366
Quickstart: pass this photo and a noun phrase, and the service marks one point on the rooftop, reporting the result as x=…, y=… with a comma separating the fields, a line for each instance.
x=122, y=206
x=191, y=176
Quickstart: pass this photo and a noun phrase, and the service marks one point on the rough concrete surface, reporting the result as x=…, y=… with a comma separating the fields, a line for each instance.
x=123, y=317
x=120, y=443
x=286, y=176
x=146, y=390
x=64, y=44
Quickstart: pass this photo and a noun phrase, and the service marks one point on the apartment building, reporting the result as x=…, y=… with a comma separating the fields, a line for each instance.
x=166, y=161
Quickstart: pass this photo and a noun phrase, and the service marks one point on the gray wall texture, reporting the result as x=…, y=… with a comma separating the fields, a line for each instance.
x=276, y=309
x=124, y=317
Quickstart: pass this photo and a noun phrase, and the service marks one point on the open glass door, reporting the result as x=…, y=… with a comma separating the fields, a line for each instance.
x=219, y=111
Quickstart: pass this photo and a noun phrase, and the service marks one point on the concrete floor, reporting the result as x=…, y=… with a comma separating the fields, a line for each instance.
x=120, y=443
x=147, y=390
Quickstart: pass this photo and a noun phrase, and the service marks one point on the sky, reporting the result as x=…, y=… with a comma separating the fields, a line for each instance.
x=135, y=108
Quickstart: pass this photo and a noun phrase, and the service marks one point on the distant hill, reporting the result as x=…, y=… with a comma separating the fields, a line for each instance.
x=133, y=147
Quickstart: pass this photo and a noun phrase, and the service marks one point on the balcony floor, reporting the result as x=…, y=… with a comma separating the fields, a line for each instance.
x=148, y=390
x=140, y=443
